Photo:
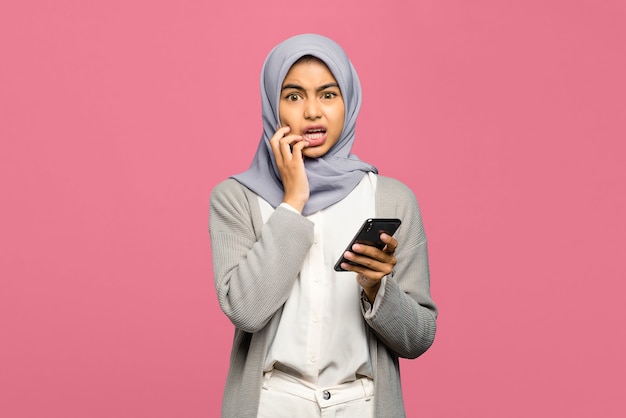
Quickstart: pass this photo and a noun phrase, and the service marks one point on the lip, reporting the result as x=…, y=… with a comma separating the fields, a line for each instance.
x=315, y=140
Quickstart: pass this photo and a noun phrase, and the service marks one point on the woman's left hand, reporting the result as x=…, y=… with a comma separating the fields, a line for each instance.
x=372, y=264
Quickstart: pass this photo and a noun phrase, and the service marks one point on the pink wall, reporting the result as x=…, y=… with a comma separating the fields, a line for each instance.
x=117, y=118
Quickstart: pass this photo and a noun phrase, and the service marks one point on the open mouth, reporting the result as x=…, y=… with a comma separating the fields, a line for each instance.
x=313, y=134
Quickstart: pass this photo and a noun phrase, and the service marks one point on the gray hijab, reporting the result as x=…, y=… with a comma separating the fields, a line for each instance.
x=332, y=176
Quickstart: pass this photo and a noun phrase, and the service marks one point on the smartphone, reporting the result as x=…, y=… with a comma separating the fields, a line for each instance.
x=369, y=234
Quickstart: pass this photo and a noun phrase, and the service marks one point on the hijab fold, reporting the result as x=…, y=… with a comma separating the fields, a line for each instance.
x=332, y=176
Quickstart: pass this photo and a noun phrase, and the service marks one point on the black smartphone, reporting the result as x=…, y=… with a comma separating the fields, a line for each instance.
x=369, y=234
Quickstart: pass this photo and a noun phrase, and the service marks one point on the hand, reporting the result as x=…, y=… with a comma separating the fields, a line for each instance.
x=287, y=150
x=372, y=264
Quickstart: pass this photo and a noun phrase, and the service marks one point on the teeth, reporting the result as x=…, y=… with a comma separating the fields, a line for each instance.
x=314, y=135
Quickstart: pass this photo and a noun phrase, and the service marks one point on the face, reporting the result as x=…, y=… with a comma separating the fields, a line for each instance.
x=312, y=106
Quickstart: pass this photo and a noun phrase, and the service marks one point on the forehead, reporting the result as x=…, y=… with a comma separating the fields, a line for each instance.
x=309, y=70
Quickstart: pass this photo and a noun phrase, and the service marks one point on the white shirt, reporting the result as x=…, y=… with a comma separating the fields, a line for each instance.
x=321, y=337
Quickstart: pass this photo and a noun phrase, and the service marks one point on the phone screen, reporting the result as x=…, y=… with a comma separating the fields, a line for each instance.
x=369, y=234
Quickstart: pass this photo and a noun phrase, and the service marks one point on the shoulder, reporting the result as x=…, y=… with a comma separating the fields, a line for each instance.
x=230, y=190
x=395, y=199
x=390, y=190
x=234, y=207
x=230, y=196
x=228, y=187
x=390, y=184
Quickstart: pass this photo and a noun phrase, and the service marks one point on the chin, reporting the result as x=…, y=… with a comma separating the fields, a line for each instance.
x=314, y=153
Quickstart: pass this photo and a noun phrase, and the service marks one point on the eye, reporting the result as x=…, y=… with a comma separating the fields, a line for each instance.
x=292, y=97
x=329, y=95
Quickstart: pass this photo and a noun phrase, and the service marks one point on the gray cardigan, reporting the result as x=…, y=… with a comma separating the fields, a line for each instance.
x=253, y=282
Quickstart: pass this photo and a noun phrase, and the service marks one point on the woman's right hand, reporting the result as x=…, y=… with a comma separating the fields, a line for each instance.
x=288, y=152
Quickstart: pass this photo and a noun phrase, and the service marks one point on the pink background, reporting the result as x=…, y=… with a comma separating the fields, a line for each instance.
x=117, y=117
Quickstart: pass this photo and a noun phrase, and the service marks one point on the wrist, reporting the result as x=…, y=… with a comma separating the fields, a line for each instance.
x=297, y=204
x=371, y=291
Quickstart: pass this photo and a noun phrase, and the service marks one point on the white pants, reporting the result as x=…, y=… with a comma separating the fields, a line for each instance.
x=284, y=396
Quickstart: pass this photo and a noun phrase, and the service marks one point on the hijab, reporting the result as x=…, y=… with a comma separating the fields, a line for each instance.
x=332, y=176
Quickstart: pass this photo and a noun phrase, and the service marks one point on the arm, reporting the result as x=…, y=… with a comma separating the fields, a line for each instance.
x=254, y=272
x=403, y=315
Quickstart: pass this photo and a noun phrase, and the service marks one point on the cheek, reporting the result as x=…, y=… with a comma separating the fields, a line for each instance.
x=281, y=115
x=340, y=118
x=285, y=116
x=340, y=111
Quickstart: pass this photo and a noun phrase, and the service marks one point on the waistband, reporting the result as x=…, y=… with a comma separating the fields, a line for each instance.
x=359, y=389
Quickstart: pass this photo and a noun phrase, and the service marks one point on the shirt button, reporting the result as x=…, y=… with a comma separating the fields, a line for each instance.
x=326, y=395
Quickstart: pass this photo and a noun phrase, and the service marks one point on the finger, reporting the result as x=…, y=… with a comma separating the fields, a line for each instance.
x=281, y=145
x=290, y=144
x=280, y=132
x=372, y=252
x=274, y=140
x=297, y=148
x=383, y=265
x=390, y=243
x=363, y=272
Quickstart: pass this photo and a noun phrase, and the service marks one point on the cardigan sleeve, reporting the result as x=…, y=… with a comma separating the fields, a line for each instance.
x=254, y=271
x=404, y=316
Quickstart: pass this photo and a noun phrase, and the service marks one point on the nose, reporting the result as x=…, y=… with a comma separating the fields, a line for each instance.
x=312, y=109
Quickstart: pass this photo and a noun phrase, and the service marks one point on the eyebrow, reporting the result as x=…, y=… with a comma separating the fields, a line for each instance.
x=299, y=87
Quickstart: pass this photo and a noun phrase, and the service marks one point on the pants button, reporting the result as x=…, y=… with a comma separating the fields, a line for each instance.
x=326, y=395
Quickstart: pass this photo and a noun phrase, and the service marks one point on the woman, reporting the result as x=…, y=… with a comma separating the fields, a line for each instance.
x=308, y=339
